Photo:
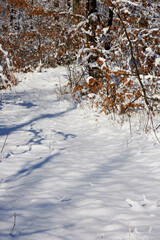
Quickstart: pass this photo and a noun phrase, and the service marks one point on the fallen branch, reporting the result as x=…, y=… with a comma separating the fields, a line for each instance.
x=4, y=143
x=14, y=224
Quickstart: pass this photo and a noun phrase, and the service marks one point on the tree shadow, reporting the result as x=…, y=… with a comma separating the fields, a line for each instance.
x=27, y=171
x=65, y=136
x=8, y=130
x=27, y=104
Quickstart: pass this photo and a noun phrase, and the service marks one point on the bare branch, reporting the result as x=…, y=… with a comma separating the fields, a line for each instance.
x=4, y=143
x=14, y=224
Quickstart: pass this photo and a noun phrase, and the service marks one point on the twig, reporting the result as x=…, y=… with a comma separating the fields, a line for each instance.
x=154, y=130
x=4, y=143
x=157, y=127
x=14, y=224
x=130, y=125
x=129, y=230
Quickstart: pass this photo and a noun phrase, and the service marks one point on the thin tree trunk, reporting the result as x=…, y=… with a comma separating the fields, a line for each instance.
x=76, y=6
x=91, y=40
x=91, y=6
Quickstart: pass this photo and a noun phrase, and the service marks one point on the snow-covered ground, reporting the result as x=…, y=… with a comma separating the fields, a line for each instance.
x=68, y=174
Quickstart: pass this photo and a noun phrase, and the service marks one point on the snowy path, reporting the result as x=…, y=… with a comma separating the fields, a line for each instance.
x=68, y=176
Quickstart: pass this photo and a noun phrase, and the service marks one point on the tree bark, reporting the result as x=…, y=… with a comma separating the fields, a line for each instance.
x=76, y=6
x=91, y=39
x=91, y=6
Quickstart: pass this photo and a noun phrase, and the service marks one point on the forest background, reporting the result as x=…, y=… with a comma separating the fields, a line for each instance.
x=111, y=49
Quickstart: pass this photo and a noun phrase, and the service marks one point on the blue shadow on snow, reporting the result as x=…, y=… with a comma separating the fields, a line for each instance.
x=7, y=130
x=65, y=136
x=27, y=171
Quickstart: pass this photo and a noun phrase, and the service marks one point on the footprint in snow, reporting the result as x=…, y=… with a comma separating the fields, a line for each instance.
x=143, y=205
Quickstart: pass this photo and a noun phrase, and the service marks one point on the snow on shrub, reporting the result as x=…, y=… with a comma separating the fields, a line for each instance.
x=7, y=79
x=125, y=74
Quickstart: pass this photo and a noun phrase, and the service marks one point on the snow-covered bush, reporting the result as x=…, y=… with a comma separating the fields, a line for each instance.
x=35, y=32
x=126, y=76
x=7, y=79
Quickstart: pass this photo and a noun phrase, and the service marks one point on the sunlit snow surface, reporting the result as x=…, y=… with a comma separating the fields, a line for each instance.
x=69, y=174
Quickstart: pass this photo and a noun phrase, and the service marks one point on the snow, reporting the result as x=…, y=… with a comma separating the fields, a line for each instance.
x=67, y=173
x=157, y=61
x=4, y=52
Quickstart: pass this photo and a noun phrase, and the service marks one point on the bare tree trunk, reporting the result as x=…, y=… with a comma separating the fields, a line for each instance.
x=76, y=6
x=91, y=40
x=69, y=3
x=91, y=6
x=56, y=3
